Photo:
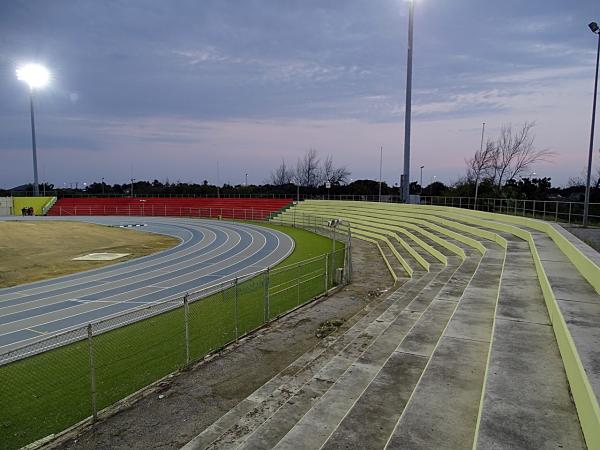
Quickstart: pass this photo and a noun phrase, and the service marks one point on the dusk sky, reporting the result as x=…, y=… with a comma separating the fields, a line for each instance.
x=164, y=89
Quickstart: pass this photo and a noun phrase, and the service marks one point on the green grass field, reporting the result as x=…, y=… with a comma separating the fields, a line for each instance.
x=49, y=392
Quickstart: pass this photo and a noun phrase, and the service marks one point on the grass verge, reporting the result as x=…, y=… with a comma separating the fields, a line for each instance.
x=49, y=392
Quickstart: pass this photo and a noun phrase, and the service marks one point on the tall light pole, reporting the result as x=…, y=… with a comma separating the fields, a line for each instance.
x=380, y=164
x=218, y=181
x=246, y=179
x=586, y=206
x=36, y=77
x=132, y=180
x=406, y=178
x=477, y=180
x=421, y=182
x=102, y=185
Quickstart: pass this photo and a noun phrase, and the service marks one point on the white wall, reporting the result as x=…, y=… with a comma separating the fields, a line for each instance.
x=6, y=206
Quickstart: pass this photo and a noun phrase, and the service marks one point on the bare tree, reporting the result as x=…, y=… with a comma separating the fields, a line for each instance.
x=335, y=175
x=576, y=181
x=481, y=164
x=281, y=175
x=307, y=170
x=515, y=152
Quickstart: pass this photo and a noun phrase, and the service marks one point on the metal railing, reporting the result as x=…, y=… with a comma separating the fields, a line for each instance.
x=55, y=382
x=48, y=205
x=164, y=211
x=552, y=210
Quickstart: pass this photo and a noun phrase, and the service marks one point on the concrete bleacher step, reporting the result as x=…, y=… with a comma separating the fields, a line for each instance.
x=410, y=258
x=320, y=380
x=397, y=267
x=443, y=408
x=308, y=364
x=370, y=421
x=526, y=402
x=571, y=293
x=579, y=303
x=311, y=417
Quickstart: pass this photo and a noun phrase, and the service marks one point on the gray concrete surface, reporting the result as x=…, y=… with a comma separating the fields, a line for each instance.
x=579, y=304
x=442, y=411
x=527, y=402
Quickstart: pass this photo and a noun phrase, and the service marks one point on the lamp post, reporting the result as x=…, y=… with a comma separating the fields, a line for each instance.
x=586, y=206
x=36, y=77
x=132, y=180
x=102, y=185
x=380, y=164
x=406, y=178
x=421, y=182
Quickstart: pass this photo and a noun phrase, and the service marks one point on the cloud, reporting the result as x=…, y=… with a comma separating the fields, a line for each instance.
x=136, y=78
x=539, y=74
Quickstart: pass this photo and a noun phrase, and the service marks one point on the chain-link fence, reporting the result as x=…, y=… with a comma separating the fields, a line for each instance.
x=52, y=384
x=552, y=210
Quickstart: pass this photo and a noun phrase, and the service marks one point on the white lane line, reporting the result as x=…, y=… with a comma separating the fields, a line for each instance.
x=169, y=297
x=117, y=283
x=117, y=269
x=90, y=273
x=233, y=227
x=33, y=331
x=106, y=299
x=206, y=269
x=141, y=263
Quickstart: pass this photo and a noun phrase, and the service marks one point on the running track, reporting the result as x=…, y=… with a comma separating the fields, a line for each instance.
x=210, y=252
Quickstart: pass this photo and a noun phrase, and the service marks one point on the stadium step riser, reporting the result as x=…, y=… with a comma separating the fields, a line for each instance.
x=522, y=332
x=370, y=418
x=351, y=352
x=355, y=375
x=428, y=371
x=323, y=351
x=325, y=369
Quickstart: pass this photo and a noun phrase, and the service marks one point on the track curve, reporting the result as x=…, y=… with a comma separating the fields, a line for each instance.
x=210, y=252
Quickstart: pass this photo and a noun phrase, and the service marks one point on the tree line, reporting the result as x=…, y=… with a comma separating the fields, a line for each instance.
x=501, y=167
x=310, y=172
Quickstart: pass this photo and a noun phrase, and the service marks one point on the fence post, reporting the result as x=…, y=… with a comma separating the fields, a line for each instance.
x=556, y=213
x=298, y=275
x=570, y=209
x=544, y=217
x=186, y=321
x=348, y=268
x=92, y=371
x=235, y=308
x=326, y=272
x=266, y=304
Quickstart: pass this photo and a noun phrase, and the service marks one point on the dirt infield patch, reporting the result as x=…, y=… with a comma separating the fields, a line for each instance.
x=173, y=413
x=32, y=251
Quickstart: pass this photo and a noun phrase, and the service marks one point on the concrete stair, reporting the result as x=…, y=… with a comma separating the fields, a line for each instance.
x=526, y=402
x=403, y=335
x=465, y=355
x=265, y=416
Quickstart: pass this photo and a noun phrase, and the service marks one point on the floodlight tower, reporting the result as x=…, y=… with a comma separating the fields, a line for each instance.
x=407, y=114
x=586, y=206
x=36, y=76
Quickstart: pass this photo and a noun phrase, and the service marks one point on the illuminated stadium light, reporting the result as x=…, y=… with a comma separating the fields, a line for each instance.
x=35, y=75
